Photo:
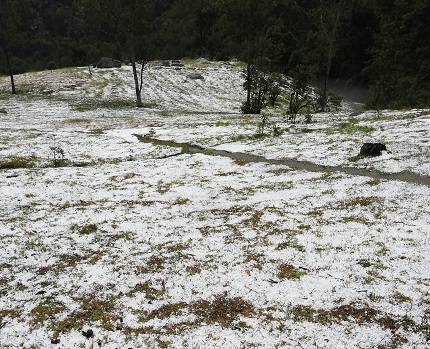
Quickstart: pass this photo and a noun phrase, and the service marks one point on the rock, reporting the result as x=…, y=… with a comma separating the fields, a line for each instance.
x=88, y=334
x=195, y=76
x=372, y=149
x=3, y=111
x=106, y=62
x=176, y=63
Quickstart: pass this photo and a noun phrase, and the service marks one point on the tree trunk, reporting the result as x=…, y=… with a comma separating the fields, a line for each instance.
x=248, y=86
x=330, y=55
x=9, y=68
x=137, y=85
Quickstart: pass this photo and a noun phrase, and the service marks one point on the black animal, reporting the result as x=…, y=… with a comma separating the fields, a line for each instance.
x=372, y=149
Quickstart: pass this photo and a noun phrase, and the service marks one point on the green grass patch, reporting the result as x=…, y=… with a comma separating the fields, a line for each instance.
x=288, y=271
x=46, y=311
x=193, y=269
x=153, y=265
x=291, y=242
x=151, y=293
x=358, y=201
x=355, y=158
x=86, y=229
x=87, y=105
x=349, y=128
x=222, y=311
x=162, y=187
x=77, y=121
x=360, y=314
x=181, y=201
x=18, y=162
x=399, y=297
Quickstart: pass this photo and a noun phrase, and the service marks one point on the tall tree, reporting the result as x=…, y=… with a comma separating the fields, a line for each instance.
x=256, y=27
x=327, y=17
x=13, y=24
x=399, y=71
x=127, y=23
x=53, y=33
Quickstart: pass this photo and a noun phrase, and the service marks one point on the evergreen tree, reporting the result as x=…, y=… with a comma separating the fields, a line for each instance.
x=399, y=71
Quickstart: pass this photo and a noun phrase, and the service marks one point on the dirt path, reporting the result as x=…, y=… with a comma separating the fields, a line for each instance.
x=186, y=148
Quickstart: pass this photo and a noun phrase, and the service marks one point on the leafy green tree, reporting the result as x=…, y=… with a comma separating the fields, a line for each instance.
x=257, y=28
x=399, y=71
x=184, y=29
x=327, y=18
x=354, y=40
x=300, y=90
x=264, y=89
x=53, y=34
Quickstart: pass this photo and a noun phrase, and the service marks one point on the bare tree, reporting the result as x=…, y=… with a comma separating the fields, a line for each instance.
x=11, y=12
x=125, y=23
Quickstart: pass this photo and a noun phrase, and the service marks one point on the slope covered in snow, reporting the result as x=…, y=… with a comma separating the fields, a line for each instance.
x=149, y=246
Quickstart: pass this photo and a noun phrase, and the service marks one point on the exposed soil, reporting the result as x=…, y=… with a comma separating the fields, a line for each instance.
x=403, y=176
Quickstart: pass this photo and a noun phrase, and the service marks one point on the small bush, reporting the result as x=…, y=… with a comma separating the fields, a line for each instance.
x=57, y=156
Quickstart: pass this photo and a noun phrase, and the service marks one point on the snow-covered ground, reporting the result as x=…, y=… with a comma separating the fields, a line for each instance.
x=149, y=247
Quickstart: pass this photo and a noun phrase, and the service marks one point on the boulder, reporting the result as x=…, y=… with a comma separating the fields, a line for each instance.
x=372, y=149
x=106, y=62
x=176, y=63
x=3, y=111
x=195, y=76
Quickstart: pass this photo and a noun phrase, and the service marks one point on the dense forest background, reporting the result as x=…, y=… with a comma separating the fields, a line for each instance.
x=378, y=46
